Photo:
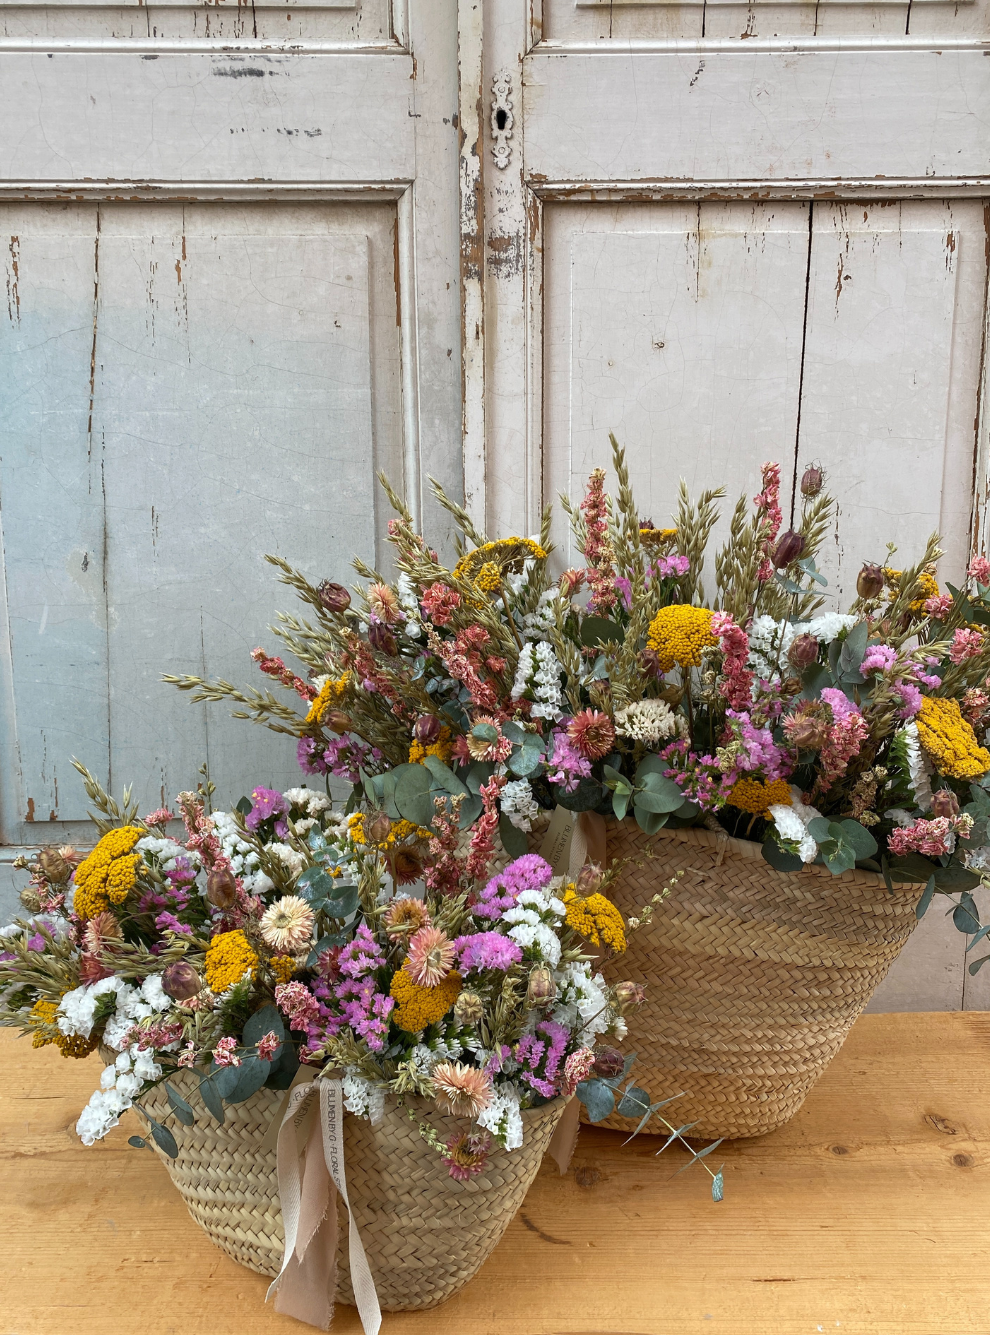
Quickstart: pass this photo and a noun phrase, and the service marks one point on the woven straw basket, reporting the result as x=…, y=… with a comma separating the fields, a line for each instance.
x=753, y=977
x=424, y=1234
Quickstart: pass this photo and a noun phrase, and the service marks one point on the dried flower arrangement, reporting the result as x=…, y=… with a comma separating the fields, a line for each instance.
x=848, y=738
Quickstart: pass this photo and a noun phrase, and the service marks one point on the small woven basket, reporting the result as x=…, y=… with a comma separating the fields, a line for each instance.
x=424, y=1234
x=753, y=977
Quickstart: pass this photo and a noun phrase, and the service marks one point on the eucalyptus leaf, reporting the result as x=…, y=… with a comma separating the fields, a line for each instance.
x=634, y=1103
x=445, y=777
x=262, y=1022
x=620, y=804
x=344, y=905
x=649, y=821
x=524, y=761
x=718, y=1187
x=138, y=1142
x=485, y=732
x=179, y=1106
x=284, y=1068
x=853, y=649
x=245, y=806
x=966, y=916
x=514, y=841
x=585, y=797
x=977, y=965
x=599, y=630
x=661, y=802
x=515, y=733
x=225, y=1080
x=471, y=809
x=211, y=1098
x=926, y=898
x=597, y=1097
x=251, y=1075
x=778, y=857
x=164, y=1139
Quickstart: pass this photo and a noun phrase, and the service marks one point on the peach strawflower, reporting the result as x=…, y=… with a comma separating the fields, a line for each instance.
x=406, y=915
x=462, y=1091
x=288, y=925
x=592, y=733
x=430, y=958
x=384, y=603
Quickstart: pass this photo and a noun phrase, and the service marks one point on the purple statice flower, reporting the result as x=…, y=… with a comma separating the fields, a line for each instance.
x=533, y=1052
x=530, y=872
x=672, y=565
x=36, y=942
x=344, y=757
x=181, y=873
x=487, y=950
x=566, y=766
x=361, y=955
x=910, y=699
x=365, y=1009
x=309, y=757
x=168, y=922
x=878, y=658
x=267, y=803
x=931, y=682
x=840, y=704
x=496, y=1062
x=760, y=751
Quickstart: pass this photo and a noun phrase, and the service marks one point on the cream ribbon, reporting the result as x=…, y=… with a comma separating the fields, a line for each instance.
x=310, y=1158
x=572, y=839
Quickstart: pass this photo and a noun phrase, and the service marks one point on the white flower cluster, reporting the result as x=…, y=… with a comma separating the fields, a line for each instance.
x=538, y=624
x=919, y=769
x=502, y=1116
x=536, y=918
x=581, y=997
x=77, y=1009
x=792, y=825
x=313, y=804
x=288, y=856
x=119, y=1085
x=243, y=858
x=649, y=721
x=166, y=851
x=769, y=640
x=517, y=802
x=410, y=605
x=362, y=1097
x=539, y=672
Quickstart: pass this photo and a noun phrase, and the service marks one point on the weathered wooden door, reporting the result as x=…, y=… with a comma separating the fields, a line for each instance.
x=230, y=243
x=732, y=233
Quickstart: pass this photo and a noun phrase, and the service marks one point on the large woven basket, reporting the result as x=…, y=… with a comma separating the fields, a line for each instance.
x=753, y=977
x=425, y=1235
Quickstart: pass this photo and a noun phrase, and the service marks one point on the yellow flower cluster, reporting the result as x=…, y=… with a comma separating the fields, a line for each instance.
x=331, y=694
x=679, y=634
x=107, y=876
x=442, y=748
x=419, y=1006
x=657, y=537
x=283, y=966
x=228, y=959
x=926, y=587
x=70, y=1045
x=506, y=554
x=949, y=740
x=400, y=831
x=756, y=796
x=596, y=919
x=488, y=578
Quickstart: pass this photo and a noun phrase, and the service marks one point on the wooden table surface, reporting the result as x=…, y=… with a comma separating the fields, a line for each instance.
x=867, y=1215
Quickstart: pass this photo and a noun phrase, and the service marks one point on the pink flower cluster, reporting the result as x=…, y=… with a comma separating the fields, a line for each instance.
x=566, y=765
x=846, y=735
x=939, y=606
x=698, y=776
x=487, y=950
x=225, y=1052
x=597, y=549
x=760, y=751
x=533, y=1053
x=767, y=504
x=931, y=837
x=577, y=1067
x=439, y=603
x=530, y=872
x=966, y=644
x=979, y=570
x=737, y=681
x=274, y=667
x=482, y=844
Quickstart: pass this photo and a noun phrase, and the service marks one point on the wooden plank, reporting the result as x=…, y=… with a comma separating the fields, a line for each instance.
x=841, y=1221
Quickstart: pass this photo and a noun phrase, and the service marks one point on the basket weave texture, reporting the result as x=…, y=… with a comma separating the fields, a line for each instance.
x=424, y=1234
x=753, y=977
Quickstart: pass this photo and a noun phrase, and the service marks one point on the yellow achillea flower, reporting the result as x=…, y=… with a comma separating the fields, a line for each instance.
x=756, y=796
x=331, y=694
x=420, y=1006
x=401, y=830
x=282, y=966
x=596, y=919
x=949, y=740
x=657, y=537
x=505, y=554
x=488, y=578
x=107, y=876
x=70, y=1045
x=926, y=587
x=228, y=959
x=442, y=748
x=679, y=634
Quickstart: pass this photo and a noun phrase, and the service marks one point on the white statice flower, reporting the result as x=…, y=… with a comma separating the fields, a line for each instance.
x=978, y=859
x=769, y=640
x=581, y=1001
x=362, y=1097
x=314, y=804
x=166, y=851
x=539, y=673
x=289, y=858
x=649, y=721
x=792, y=824
x=538, y=624
x=517, y=802
x=77, y=1009
x=536, y=919
x=410, y=605
x=120, y=1084
x=502, y=1116
x=919, y=767
x=899, y=816
x=243, y=857
x=828, y=626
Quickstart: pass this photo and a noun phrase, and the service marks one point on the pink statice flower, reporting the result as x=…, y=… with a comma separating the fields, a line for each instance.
x=530, y=872
x=566, y=765
x=225, y=1054
x=760, y=751
x=878, y=658
x=439, y=603
x=910, y=699
x=979, y=570
x=486, y=950
x=669, y=567
x=267, y=802
x=966, y=644
x=539, y=1055
x=939, y=606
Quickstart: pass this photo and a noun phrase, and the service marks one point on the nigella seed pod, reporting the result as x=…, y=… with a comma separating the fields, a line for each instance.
x=807, y=733
x=945, y=803
x=789, y=547
x=180, y=981
x=608, y=1064
x=382, y=639
x=542, y=990
x=469, y=1009
x=338, y=722
x=221, y=887
x=54, y=865
x=426, y=729
x=379, y=827
x=334, y=597
x=869, y=581
x=650, y=662
x=803, y=652
x=628, y=996
x=589, y=879
x=812, y=480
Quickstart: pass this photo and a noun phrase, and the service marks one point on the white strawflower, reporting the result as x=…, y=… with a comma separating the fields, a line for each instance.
x=517, y=802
